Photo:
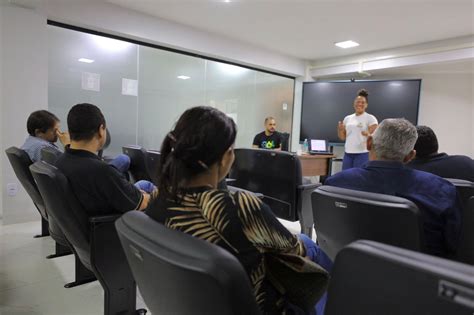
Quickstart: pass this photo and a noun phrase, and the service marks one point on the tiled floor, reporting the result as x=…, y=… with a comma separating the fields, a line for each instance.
x=32, y=284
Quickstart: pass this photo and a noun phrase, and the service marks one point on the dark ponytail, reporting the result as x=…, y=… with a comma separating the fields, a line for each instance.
x=200, y=138
x=364, y=93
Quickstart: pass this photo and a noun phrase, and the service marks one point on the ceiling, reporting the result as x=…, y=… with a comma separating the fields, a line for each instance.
x=451, y=67
x=307, y=29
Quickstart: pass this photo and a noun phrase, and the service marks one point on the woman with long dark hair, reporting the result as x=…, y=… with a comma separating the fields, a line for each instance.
x=355, y=129
x=195, y=156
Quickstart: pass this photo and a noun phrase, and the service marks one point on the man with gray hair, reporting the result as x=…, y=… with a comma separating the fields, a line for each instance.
x=390, y=148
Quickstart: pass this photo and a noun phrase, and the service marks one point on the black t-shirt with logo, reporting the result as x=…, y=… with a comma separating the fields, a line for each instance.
x=270, y=142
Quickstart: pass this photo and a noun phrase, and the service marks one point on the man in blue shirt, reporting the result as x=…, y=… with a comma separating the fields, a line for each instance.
x=390, y=147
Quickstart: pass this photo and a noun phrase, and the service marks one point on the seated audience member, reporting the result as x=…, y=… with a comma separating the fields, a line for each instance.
x=269, y=138
x=44, y=131
x=390, y=148
x=194, y=158
x=100, y=189
x=429, y=160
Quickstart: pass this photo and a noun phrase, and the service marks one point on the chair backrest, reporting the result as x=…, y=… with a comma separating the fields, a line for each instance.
x=374, y=278
x=153, y=165
x=50, y=155
x=342, y=216
x=285, y=141
x=180, y=274
x=275, y=174
x=20, y=162
x=465, y=252
x=64, y=207
x=465, y=189
x=138, y=168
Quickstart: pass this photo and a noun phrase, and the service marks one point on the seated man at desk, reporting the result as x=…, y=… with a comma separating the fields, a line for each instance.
x=269, y=138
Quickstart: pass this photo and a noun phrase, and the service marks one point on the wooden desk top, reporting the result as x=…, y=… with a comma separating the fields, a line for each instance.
x=306, y=156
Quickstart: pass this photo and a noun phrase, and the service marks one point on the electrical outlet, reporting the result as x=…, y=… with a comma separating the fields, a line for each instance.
x=285, y=106
x=12, y=189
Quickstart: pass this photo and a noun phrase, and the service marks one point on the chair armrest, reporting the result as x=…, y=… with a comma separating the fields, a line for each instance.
x=309, y=186
x=104, y=218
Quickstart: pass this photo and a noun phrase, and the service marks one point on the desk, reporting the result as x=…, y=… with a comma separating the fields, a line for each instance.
x=315, y=165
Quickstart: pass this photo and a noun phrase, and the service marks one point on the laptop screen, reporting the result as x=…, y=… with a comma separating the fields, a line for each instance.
x=318, y=145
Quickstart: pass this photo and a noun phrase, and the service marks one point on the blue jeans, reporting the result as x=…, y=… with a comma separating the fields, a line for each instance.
x=354, y=160
x=145, y=185
x=317, y=255
x=121, y=162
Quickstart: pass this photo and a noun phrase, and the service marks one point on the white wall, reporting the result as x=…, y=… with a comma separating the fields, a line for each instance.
x=447, y=106
x=23, y=90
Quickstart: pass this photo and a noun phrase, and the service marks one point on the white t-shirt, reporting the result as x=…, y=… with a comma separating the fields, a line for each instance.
x=355, y=141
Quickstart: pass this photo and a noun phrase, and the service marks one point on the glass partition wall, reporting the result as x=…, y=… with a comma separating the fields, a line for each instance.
x=143, y=90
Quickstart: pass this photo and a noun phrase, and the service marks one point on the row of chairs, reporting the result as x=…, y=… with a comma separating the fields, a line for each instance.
x=179, y=274
x=96, y=246
x=339, y=215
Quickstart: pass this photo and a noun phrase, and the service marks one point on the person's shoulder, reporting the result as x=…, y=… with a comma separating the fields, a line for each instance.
x=370, y=117
x=259, y=135
x=431, y=180
x=460, y=158
x=349, y=116
x=344, y=176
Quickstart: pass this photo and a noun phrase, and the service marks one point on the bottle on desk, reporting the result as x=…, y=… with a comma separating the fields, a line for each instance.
x=305, y=146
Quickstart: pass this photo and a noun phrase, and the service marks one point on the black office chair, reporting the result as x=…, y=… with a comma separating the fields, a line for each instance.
x=138, y=165
x=20, y=162
x=153, y=165
x=94, y=240
x=465, y=252
x=181, y=274
x=374, y=278
x=342, y=216
x=285, y=141
x=276, y=175
x=50, y=155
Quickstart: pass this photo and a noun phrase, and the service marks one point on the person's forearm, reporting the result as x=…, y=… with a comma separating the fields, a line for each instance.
x=145, y=201
x=341, y=135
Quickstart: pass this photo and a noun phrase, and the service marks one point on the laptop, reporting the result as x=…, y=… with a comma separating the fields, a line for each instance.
x=317, y=146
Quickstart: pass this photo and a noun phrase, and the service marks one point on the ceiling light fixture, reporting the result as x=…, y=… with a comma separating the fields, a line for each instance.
x=384, y=57
x=347, y=44
x=110, y=44
x=85, y=60
x=183, y=77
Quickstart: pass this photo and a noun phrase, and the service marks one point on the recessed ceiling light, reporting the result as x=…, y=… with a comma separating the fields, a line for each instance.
x=85, y=60
x=183, y=77
x=384, y=57
x=347, y=44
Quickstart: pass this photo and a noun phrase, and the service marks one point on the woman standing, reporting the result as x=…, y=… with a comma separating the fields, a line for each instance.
x=355, y=129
